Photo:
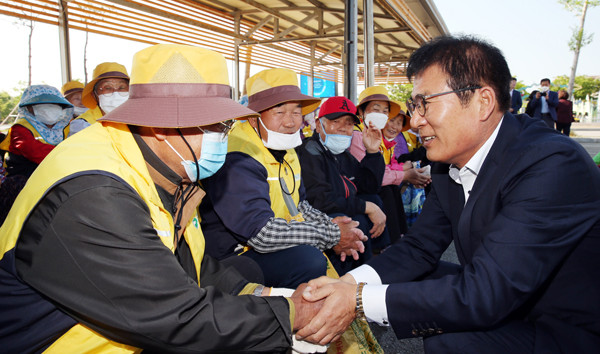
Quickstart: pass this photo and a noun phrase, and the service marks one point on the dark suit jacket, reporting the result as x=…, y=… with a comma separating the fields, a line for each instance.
x=552, y=99
x=528, y=240
x=516, y=101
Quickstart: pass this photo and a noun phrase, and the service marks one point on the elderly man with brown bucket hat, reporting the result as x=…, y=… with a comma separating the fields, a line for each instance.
x=107, y=91
x=103, y=250
x=258, y=208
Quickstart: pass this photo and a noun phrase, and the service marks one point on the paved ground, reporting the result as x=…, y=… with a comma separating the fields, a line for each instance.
x=588, y=135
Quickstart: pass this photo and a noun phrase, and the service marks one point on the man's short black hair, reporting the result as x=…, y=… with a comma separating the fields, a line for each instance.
x=513, y=79
x=545, y=79
x=468, y=61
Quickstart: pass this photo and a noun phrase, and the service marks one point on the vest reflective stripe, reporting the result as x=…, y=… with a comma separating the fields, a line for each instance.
x=115, y=152
x=243, y=138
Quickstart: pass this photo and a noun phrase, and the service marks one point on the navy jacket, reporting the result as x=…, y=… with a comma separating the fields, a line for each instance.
x=528, y=240
x=516, y=101
x=551, y=98
x=333, y=182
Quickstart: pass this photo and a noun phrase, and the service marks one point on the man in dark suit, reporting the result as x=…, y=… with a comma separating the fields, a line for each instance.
x=516, y=101
x=544, y=103
x=529, y=258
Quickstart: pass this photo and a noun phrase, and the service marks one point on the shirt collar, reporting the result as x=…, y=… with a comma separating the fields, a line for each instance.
x=474, y=164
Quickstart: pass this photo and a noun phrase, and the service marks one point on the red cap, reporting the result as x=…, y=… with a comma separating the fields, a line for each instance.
x=338, y=106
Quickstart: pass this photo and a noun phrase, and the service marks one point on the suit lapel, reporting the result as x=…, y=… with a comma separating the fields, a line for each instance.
x=484, y=186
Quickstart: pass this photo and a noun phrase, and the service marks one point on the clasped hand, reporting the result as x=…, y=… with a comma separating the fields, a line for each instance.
x=351, y=238
x=333, y=309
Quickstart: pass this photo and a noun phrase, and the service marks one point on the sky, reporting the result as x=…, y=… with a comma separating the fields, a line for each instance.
x=532, y=34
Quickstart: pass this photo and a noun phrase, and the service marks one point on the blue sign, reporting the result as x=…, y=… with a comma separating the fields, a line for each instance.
x=321, y=87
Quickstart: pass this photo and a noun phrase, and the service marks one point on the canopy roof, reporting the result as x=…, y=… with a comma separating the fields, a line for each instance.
x=295, y=34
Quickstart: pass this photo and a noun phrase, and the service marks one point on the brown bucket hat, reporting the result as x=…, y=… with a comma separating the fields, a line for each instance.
x=271, y=87
x=178, y=86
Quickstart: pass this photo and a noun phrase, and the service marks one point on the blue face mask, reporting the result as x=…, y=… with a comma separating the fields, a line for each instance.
x=212, y=156
x=336, y=143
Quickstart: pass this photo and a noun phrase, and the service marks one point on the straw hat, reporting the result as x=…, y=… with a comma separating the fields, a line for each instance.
x=335, y=107
x=378, y=93
x=102, y=71
x=178, y=86
x=271, y=87
x=71, y=87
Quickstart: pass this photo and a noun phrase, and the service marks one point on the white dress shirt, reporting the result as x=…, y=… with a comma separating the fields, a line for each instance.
x=373, y=294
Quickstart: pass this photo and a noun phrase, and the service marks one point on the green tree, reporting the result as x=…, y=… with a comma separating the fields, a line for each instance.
x=582, y=87
x=400, y=92
x=579, y=39
x=7, y=103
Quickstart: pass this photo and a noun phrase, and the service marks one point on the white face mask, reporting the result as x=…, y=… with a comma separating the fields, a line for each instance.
x=280, y=141
x=77, y=111
x=544, y=89
x=378, y=119
x=48, y=113
x=109, y=101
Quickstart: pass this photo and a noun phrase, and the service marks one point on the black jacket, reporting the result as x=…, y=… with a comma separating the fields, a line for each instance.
x=333, y=183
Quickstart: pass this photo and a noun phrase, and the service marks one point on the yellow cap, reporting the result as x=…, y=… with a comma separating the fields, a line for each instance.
x=271, y=87
x=71, y=87
x=378, y=93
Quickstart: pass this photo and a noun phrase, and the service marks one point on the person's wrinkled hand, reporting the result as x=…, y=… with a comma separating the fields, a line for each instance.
x=377, y=217
x=335, y=316
x=417, y=177
x=371, y=138
x=305, y=310
x=351, y=238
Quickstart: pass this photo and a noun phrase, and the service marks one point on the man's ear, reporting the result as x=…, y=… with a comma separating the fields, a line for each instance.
x=253, y=122
x=487, y=102
x=318, y=125
x=160, y=133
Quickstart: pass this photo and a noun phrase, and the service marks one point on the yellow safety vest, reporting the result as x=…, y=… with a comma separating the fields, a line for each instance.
x=243, y=138
x=91, y=115
x=111, y=148
x=387, y=153
x=412, y=141
x=5, y=144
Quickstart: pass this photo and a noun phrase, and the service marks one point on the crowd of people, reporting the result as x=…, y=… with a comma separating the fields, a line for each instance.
x=154, y=212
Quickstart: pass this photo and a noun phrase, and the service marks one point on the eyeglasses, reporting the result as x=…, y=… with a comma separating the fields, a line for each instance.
x=419, y=103
x=221, y=127
x=104, y=90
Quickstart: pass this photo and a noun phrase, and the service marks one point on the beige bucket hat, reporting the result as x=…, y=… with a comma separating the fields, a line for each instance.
x=178, y=86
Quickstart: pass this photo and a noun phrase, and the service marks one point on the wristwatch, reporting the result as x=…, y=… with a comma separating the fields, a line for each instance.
x=258, y=291
x=359, y=310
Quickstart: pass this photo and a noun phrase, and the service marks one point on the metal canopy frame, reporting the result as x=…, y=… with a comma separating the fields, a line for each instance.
x=319, y=38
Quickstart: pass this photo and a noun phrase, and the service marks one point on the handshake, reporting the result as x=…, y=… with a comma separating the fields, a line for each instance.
x=324, y=309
